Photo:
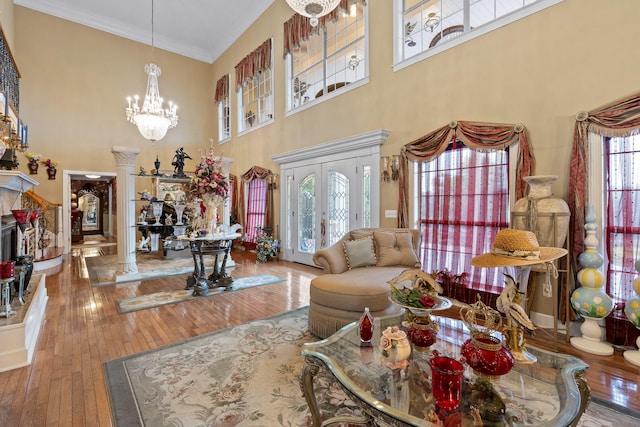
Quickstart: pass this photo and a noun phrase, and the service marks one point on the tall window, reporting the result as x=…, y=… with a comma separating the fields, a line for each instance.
x=222, y=99
x=254, y=83
x=256, y=208
x=464, y=197
x=425, y=27
x=622, y=230
x=328, y=57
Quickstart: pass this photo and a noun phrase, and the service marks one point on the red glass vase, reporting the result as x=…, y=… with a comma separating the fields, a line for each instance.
x=23, y=218
x=487, y=356
x=365, y=326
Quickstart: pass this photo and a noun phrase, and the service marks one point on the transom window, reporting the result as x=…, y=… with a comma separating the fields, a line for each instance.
x=426, y=27
x=328, y=58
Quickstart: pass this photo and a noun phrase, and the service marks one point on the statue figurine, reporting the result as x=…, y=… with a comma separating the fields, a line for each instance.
x=142, y=218
x=168, y=219
x=178, y=163
x=142, y=171
x=143, y=245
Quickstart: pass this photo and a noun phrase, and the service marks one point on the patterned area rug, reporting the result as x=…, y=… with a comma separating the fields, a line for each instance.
x=102, y=269
x=127, y=305
x=242, y=376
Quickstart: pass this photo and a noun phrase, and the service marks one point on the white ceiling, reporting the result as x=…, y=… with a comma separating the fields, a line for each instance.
x=198, y=29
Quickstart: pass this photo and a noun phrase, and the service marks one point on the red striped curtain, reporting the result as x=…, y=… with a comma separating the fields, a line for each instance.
x=465, y=203
x=265, y=175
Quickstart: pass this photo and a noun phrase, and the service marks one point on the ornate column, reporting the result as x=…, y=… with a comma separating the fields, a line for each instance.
x=125, y=162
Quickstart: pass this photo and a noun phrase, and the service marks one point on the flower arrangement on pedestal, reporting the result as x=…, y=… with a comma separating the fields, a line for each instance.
x=267, y=246
x=211, y=185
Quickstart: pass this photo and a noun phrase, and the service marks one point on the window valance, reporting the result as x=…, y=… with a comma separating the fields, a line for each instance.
x=478, y=136
x=298, y=29
x=222, y=88
x=254, y=63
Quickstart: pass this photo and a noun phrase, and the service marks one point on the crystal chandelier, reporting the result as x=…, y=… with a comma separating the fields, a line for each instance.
x=152, y=120
x=313, y=9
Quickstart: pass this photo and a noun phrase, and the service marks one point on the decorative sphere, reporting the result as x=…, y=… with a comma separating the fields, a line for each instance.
x=590, y=259
x=590, y=278
x=632, y=310
x=636, y=285
x=591, y=303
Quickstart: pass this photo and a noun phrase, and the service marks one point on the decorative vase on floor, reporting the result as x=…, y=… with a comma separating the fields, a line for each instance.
x=33, y=167
x=589, y=300
x=632, y=311
x=536, y=212
x=51, y=172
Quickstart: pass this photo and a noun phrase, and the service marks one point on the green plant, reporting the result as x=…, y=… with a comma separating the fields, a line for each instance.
x=267, y=246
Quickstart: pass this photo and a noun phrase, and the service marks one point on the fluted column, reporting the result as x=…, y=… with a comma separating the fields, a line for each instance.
x=125, y=163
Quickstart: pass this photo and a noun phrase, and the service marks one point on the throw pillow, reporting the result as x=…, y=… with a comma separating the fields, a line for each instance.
x=359, y=253
x=395, y=248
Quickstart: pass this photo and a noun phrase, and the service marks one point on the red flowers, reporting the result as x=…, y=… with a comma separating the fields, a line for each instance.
x=427, y=301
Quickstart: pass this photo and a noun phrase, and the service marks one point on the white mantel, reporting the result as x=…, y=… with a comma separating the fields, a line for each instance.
x=12, y=184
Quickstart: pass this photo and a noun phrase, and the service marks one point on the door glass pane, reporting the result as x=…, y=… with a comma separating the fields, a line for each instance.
x=306, y=214
x=366, y=196
x=338, y=198
x=289, y=201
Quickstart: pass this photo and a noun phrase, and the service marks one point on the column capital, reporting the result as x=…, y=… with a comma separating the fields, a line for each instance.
x=125, y=156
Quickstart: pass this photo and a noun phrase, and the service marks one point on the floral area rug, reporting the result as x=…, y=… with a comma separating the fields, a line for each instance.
x=156, y=299
x=247, y=375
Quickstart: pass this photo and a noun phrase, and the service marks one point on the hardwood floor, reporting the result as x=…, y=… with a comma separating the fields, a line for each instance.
x=82, y=329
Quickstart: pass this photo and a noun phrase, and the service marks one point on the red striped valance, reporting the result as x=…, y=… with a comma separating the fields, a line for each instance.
x=222, y=88
x=254, y=63
x=298, y=29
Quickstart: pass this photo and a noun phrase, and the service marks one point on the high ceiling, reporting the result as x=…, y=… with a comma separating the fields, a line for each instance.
x=198, y=29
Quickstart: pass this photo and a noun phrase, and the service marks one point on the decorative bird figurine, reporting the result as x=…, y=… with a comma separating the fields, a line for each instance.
x=419, y=279
x=508, y=303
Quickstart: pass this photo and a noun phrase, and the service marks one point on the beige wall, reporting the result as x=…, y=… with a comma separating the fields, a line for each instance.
x=539, y=71
x=73, y=91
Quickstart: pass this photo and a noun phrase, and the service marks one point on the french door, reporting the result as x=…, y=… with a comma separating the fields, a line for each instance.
x=326, y=191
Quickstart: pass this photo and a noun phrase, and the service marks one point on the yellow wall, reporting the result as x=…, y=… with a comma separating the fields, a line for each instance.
x=73, y=91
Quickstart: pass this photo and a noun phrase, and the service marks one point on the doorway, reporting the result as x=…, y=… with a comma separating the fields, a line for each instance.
x=326, y=191
x=93, y=194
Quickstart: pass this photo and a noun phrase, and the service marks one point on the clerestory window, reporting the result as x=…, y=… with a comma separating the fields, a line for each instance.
x=425, y=27
x=327, y=58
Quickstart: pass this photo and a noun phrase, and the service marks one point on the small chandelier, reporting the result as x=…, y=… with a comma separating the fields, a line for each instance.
x=152, y=120
x=313, y=9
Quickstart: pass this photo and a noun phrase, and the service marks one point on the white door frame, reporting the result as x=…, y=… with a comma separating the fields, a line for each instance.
x=66, y=203
x=363, y=145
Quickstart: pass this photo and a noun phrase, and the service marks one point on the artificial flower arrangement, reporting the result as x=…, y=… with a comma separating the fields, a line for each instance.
x=422, y=294
x=267, y=246
x=49, y=163
x=209, y=178
x=32, y=157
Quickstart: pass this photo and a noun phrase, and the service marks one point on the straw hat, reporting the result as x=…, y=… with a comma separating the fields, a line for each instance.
x=516, y=247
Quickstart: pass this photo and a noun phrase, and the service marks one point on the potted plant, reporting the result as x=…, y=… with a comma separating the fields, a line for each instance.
x=267, y=246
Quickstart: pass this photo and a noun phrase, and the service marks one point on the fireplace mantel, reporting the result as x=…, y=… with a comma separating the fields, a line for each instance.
x=12, y=183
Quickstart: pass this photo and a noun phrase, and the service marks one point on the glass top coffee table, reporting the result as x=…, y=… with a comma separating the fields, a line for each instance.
x=552, y=392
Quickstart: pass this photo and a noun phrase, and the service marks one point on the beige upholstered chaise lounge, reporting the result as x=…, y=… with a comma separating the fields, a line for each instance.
x=356, y=271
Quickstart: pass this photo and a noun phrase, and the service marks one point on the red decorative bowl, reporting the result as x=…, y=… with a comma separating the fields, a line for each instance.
x=421, y=335
x=486, y=355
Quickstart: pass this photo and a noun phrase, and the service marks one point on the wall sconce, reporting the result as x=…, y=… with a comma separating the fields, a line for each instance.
x=385, y=167
x=395, y=167
x=390, y=168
